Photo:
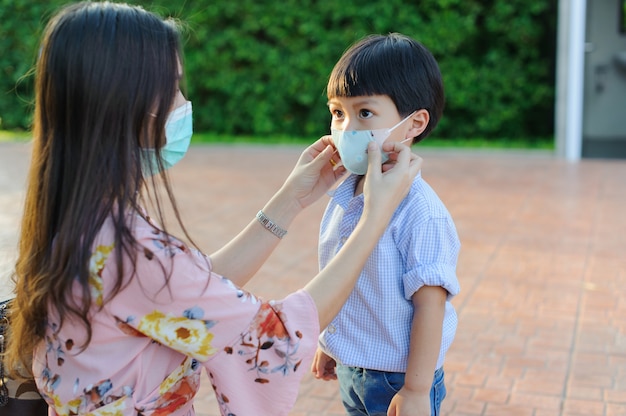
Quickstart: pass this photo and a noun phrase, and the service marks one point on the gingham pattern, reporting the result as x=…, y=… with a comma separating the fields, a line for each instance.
x=420, y=247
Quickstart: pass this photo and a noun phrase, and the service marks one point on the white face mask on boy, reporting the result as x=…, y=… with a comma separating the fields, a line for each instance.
x=352, y=145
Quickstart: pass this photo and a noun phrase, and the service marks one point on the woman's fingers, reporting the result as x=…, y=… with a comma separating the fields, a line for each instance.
x=397, y=150
x=416, y=163
x=373, y=157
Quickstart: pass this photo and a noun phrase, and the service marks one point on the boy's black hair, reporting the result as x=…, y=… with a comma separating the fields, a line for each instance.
x=394, y=65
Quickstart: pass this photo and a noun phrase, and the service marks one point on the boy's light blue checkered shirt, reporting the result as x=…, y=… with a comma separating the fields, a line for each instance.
x=419, y=247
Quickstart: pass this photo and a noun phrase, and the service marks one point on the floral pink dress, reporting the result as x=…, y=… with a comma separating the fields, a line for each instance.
x=150, y=341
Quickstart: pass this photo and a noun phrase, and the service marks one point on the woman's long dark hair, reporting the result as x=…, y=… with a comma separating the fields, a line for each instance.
x=103, y=69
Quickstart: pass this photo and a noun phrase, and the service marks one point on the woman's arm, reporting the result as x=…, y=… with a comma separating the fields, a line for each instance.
x=312, y=176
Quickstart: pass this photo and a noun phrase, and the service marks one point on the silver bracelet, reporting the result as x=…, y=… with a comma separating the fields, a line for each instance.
x=270, y=225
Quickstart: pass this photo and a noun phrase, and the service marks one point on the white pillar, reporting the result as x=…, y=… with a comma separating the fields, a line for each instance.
x=570, y=78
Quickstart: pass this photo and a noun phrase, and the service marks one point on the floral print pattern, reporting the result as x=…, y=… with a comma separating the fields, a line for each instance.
x=190, y=336
x=267, y=334
x=177, y=389
x=251, y=349
x=96, y=265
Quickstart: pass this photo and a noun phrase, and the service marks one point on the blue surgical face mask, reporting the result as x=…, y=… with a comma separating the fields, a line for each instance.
x=352, y=146
x=178, y=132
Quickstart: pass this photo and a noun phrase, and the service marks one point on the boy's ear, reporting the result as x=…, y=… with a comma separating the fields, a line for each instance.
x=419, y=122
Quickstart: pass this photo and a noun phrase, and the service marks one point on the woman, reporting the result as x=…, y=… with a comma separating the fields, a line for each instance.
x=120, y=314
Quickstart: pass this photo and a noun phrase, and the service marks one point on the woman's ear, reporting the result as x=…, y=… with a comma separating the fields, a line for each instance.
x=419, y=122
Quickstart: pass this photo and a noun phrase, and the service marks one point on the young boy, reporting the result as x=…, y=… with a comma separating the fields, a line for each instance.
x=387, y=345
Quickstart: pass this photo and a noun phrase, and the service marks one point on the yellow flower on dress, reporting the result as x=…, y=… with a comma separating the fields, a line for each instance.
x=96, y=264
x=59, y=407
x=189, y=336
x=116, y=408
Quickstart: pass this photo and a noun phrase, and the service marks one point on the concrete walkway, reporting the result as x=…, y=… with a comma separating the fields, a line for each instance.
x=542, y=311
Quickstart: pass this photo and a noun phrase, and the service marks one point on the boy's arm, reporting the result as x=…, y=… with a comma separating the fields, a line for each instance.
x=426, y=331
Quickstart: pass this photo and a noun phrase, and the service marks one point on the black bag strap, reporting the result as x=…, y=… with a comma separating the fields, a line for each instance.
x=4, y=325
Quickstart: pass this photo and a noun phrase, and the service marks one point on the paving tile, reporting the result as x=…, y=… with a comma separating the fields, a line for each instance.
x=542, y=315
x=575, y=407
x=539, y=401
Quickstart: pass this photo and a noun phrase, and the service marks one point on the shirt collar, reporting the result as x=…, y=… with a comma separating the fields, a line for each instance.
x=345, y=191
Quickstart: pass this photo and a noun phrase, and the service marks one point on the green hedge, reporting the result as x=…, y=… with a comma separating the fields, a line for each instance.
x=259, y=67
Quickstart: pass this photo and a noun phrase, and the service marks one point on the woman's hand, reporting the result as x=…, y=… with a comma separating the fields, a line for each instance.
x=314, y=174
x=384, y=188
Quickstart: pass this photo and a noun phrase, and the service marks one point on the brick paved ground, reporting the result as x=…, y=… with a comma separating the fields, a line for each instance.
x=542, y=311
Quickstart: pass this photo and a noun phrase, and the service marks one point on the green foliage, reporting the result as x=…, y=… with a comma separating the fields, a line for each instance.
x=20, y=26
x=538, y=143
x=259, y=67
x=504, y=79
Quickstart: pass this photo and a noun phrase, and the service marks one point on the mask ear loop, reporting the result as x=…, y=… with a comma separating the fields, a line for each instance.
x=401, y=121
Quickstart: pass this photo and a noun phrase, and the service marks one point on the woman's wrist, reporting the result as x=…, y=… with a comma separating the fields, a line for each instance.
x=281, y=210
x=270, y=225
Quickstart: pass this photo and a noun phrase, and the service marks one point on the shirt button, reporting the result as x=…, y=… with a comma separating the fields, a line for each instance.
x=331, y=329
x=343, y=240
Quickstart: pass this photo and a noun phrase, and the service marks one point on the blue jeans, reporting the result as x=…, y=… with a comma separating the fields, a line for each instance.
x=369, y=392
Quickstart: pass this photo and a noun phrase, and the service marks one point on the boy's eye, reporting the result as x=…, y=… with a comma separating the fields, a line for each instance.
x=337, y=114
x=365, y=113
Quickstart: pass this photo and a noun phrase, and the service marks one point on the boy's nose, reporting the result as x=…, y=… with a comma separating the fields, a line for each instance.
x=350, y=124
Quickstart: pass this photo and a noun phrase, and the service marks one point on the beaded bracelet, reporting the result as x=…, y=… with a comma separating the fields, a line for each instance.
x=270, y=225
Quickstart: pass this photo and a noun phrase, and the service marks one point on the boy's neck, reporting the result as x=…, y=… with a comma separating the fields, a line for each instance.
x=358, y=186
